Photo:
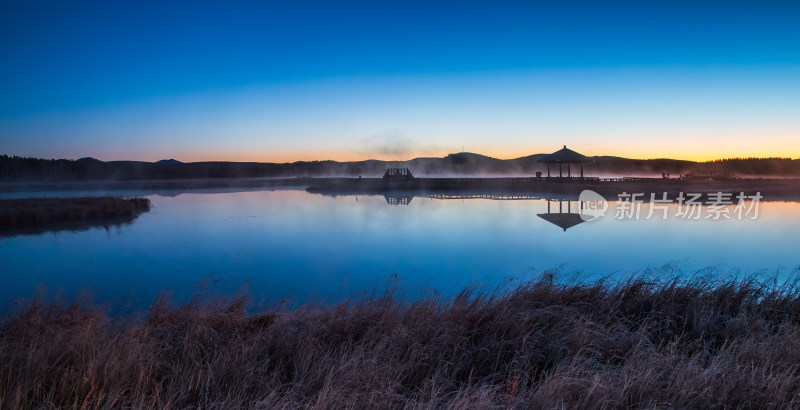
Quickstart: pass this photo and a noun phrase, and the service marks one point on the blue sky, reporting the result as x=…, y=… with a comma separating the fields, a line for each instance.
x=292, y=80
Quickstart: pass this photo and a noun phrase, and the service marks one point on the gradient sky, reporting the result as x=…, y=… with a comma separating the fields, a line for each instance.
x=296, y=80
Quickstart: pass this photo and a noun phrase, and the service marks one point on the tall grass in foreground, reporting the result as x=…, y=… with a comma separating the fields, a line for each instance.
x=680, y=343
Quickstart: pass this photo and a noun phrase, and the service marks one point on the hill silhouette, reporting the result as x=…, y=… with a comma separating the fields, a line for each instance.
x=14, y=168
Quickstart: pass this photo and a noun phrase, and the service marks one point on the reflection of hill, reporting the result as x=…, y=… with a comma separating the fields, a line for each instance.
x=461, y=164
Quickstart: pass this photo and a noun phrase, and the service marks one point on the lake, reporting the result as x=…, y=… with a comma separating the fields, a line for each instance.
x=297, y=246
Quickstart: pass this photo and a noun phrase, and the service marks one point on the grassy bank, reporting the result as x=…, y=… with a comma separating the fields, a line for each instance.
x=20, y=213
x=695, y=343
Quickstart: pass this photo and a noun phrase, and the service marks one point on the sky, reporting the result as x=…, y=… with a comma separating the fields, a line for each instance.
x=282, y=81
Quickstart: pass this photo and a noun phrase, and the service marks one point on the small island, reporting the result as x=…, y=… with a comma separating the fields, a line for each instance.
x=43, y=214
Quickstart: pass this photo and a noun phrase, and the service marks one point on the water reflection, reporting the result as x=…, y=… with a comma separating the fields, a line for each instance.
x=398, y=199
x=564, y=218
x=106, y=224
x=293, y=244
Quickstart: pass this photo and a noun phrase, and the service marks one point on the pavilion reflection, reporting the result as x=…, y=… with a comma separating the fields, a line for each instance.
x=562, y=219
x=398, y=198
x=565, y=215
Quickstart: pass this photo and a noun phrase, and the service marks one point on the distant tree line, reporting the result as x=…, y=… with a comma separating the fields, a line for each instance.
x=15, y=168
x=34, y=169
x=760, y=166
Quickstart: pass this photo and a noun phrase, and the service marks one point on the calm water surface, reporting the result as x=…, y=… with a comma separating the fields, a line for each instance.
x=289, y=244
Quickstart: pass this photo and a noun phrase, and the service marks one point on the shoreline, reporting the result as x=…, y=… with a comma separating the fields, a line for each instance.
x=771, y=189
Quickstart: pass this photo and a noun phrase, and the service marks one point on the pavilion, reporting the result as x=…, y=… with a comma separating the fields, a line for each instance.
x=398, y=174
x=564, y=156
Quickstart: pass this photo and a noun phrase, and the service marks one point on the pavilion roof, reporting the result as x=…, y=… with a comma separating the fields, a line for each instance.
x=564, y=155
x=562, y=220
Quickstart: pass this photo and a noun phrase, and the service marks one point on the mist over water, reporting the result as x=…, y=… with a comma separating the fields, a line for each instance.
x=294, y=245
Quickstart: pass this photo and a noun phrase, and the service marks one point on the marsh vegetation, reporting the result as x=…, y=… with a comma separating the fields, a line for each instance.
x=697, y=342
x=38, y=211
